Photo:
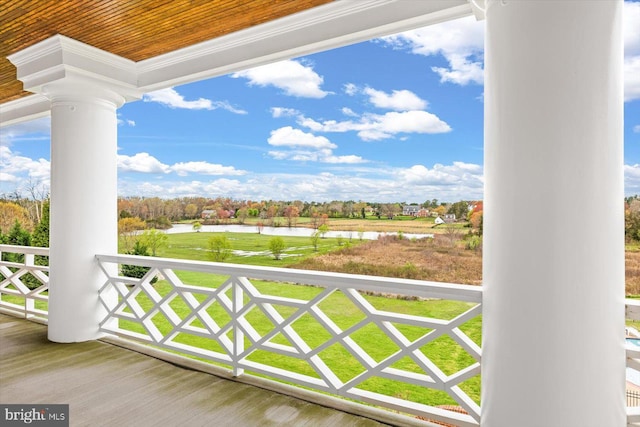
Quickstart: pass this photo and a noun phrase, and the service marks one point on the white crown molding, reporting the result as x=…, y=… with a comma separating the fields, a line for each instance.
x=60, y=58
x=479, y=8
x=60, y=61
x=24, y=109
x=335, y=24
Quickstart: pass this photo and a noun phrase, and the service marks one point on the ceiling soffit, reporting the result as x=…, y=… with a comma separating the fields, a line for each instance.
x=330, y=25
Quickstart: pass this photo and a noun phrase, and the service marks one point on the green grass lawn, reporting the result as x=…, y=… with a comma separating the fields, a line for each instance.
x=443, y=351
x=254, y=248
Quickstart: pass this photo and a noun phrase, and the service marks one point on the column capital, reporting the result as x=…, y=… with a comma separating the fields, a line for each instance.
x=62, y=67
x=479, y=8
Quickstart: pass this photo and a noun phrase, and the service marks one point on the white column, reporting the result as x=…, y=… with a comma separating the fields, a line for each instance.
x=553, y=322
x=83, y=207
x=85, y=86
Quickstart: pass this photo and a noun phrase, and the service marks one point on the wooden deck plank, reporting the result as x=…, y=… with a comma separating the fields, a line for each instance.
x=108, y=385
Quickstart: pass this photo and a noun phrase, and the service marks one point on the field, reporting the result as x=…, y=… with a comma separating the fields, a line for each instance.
x=248, y=248
x=405, y=224
x=443, y=259
x=252, y=249
x=447, y=355
x=439, y=259
x=632, y=265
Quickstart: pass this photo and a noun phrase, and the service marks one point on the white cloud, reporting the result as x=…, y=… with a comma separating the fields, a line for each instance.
x=15, y=168
x=172, y=99
x=128, y=122
x=632, y=179
x=290, y=137
x=371, y=184
x=631, y=29
x=350, y=89
x=440, y=175
x=7, y=177
x=349, y=112
x=292, y=77
x=350, y=159
x=32, y=130
x=277, y=112
x=631, y=26
x=306, y=147
x=632, y=78
x=398, y=100
x=204, y=168
x=321, y=156
x=145, y=163
x=636, y=128
x=461, y=42
x=141, y=162
x=373, y=127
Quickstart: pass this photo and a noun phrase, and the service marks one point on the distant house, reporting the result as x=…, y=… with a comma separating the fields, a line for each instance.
x=208, y=214
x=423, y=213
x=445, y=219
x=410, y=210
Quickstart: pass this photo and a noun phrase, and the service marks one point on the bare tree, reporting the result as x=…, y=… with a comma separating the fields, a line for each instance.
x=452, y=233
x=38, y=194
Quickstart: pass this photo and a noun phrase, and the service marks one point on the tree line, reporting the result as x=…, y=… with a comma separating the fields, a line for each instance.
x=154, y=212
x=221, y=209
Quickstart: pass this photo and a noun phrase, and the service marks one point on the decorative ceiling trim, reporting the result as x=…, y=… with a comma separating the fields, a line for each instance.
x=60, y=57
x=24, y=109
x=329, y=26
x=325, y=27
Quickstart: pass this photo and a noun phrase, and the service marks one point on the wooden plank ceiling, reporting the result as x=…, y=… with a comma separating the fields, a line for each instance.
x=135, y=30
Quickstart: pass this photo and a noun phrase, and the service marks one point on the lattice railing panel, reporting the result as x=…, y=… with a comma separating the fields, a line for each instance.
x=633, y=363
x=326, y=335
x=24, y=280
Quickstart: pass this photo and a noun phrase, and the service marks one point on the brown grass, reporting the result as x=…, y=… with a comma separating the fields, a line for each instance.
x=632, y=262
x=425, y=259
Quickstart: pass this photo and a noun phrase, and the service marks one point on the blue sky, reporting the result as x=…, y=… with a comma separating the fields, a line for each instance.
x=393, y=119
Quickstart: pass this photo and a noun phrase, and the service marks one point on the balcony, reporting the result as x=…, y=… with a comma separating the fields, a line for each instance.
x=249, y=330
x=105, y=384
x=552, y=302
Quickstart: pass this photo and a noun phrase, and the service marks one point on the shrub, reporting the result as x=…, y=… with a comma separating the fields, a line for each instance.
x=276, y=246
x=409, y=271
x=160, y=223
x=219, y=248
x=323, y=229
x=137, y=271
x=314, y=240
x=474, y=243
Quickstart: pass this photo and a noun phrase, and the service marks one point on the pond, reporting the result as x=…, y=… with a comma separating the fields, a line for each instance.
x=286, y=231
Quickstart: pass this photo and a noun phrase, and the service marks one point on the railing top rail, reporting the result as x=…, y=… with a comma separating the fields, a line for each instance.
x=24, y=250
x=416, y=288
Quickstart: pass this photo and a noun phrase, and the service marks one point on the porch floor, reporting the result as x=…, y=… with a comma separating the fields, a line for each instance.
x=106, y=385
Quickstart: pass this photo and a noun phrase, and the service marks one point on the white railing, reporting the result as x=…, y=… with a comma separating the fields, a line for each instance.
x=24, y=285
x=633, y=364
x=221, y=313
x=246, y=323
